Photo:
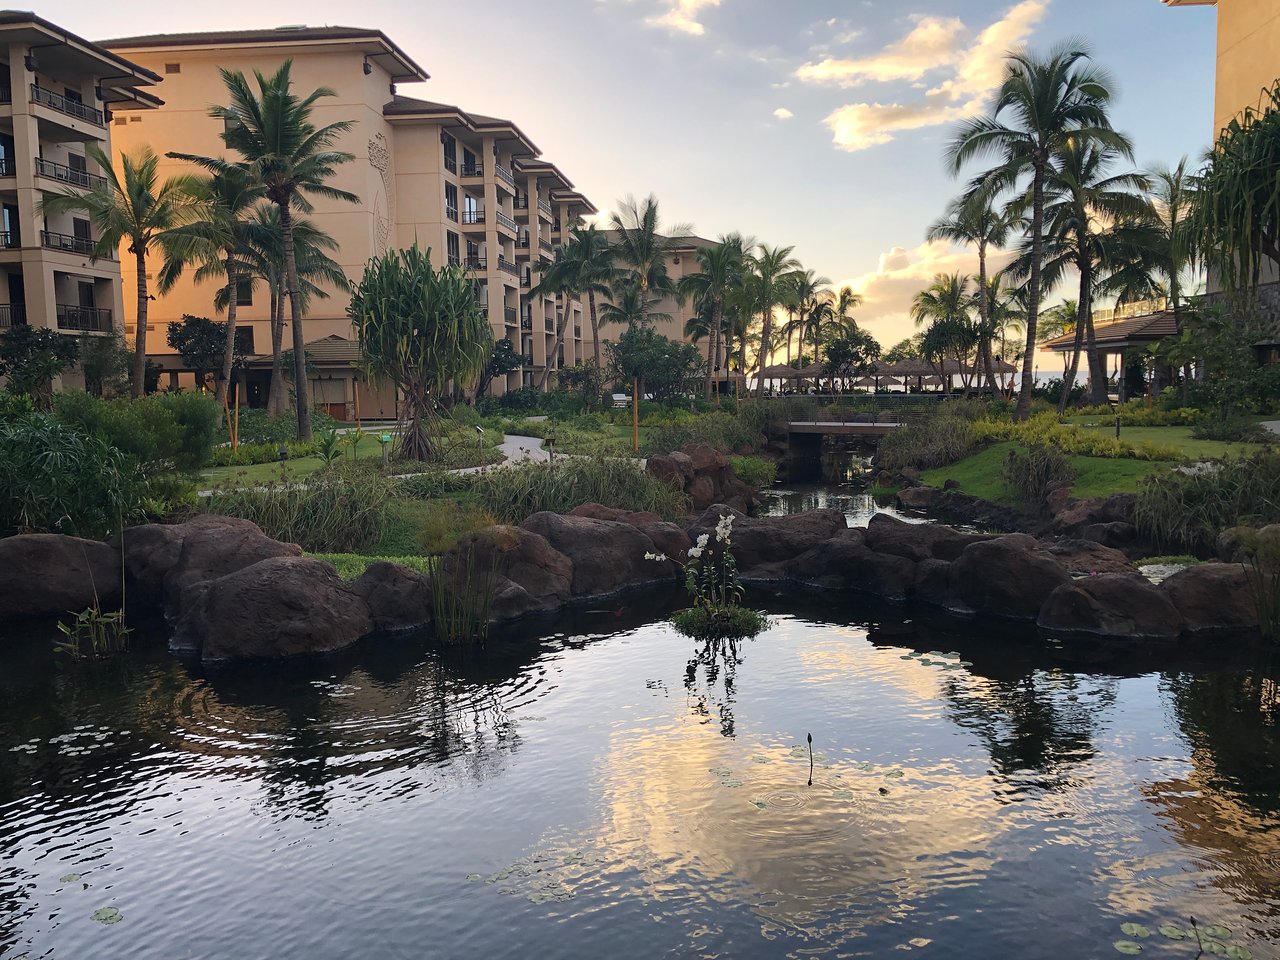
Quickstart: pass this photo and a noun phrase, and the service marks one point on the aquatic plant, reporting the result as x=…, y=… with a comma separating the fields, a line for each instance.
x=711, y=577
x=105, y=633
x=1262, y=565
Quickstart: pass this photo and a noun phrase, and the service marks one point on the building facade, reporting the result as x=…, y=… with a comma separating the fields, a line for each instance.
x=58, y=95
x=469, y=187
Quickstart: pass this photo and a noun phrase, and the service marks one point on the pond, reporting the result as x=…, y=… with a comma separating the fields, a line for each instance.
x=611, y=789
x=855, y=503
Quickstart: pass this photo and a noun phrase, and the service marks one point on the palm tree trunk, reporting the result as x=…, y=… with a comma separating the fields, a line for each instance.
x=766, y=331
x=595, y=327
x=1097, y=363
x=1023, y=409
x=278, y=391
x=984, y=314
x=555, y=350
x=717, y=321
x=138, y=382
x=228, y=352
x=1069, y=377
x=302, y=403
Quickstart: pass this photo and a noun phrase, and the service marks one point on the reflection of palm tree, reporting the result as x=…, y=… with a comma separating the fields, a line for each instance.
x=711, y=658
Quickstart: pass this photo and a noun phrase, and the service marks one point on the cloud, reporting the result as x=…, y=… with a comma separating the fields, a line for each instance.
x=934, y=42
x=782, y=113
x=975, y=66
x=682, y=16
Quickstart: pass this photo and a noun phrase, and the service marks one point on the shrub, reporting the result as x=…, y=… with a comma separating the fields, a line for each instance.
x=1236, y=429
x=341, y=509
x=350, y=566
x=513, y=493
x=256, y=427
x=935, y=442
x=247, y=454
x=54, y=478
x=1045, y=430
x=1029, y=472
x=756, y=471
x=588, y=423
x=434, y=483
x=1186, y=509
x=197, y=416
x=158, y=431
x=721, y=430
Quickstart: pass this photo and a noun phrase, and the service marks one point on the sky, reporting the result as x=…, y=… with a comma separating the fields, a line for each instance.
x=818, y=124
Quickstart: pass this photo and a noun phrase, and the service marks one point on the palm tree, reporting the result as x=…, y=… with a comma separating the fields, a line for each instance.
x=972, y=218
x=944, y=305
x=721, y=273
x=284, y=151
x=1174, y=195
x=770, y=267
x=630, y=307
x=806, y=287
x=134, y=208
x=640, y=252
x=216, y=242
x=583, y=266
x=1046, y=102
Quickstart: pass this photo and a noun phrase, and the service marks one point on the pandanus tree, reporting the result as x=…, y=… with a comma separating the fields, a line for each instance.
x=720, y=273
x=216, y=241
x=134, y=208
x=1040, y=105
x=973, y=219
x=291, y=158
x=418, y=328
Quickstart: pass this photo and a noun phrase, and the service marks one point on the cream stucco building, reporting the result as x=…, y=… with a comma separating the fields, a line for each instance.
x=472, y=188
x=58, y=95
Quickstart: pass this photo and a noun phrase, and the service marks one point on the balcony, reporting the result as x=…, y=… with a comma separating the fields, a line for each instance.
x=506, y=176
x=92, y=319
x=544, y=245
x=528, y=359
x=455, y=260
x=12, y=315
x=548, y=325
x=508, y=267
x=10, y=240
x=545, y=209
x=472, y=218
x=509, y=314
x=476, y=263
x=65, y=174
x=6, y=167
x=522, y=242
x=526, y=323
x=69, y=244
x=506, y=222
x=526, y=280
x=520, y=202
x=577, y=333
x=56, y=101
x=470, y=170
x=6, y=91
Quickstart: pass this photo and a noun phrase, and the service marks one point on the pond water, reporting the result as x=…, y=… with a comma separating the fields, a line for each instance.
x=615, y=790
x=856, y=504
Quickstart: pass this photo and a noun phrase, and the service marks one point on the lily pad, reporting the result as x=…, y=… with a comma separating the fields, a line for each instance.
x=731, y=782
x=1215, y=948
x=1217, y=932
x=108, y=915
x=894, y=774
x=474, y=878
x=1239, y=953
x=842, y=794
x=1172, y=932
x=721, y=771
x=1128, y=948
x=760, y=804
x=1135, y=930
x=69, y=878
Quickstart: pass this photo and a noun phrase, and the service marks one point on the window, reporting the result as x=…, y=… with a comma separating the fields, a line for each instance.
x=451, y=201
x=121, y=121
x=73, y=96
x=244, y=340
x=135, y=119
x=244, y=294
x=85, y=291
x=450, y=153
x=451, y=244
x=76, y=162
x=173, y=68
x=80, y=229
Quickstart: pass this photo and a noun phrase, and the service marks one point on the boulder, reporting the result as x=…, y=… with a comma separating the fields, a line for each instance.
x=845, y=563
x=1231, y=543
x=48, y=574
x=1084, y=557
x=702, y=491
x=598, y=511
x=664, y=468
x=917, y=498
x=917, y=541
x=526, y=574
x=682, y=462
x=1004, y=578
x=607, y=555
x=1114, y=605
x=278, y=607
x=667, y=537
x=704, y=458
x=933, y=586
x=203, y=548
x=398, y=598
x=1213, y=598
x=1115, y=533
x=1078, y=514
x=764, y=540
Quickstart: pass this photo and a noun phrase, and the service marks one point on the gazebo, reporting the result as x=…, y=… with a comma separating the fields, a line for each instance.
x=1114, y=338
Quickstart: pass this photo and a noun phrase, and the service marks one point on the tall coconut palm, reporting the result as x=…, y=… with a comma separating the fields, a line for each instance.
x=944, y=305
x=720, y=274
x=582, y=267
x=282, y=149
x=770, y=269
x=1040, y=105
x=134, y=208
x=216, y=242
x=807, y=288
x=1173, y=193
x=973, y=219
x=628, y=306
x=640, y=252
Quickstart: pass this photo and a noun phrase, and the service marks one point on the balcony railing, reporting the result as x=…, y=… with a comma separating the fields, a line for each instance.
x=544, y=245
x=522, y=242
x=473, y=216
x=12, y=315
x=544, y=207
x=528, y=359
x=10, y=239
x=56, y=101
x=548, y=325
x=508, y=267
x=64, y=241
x=506, y=176
x=473, y=170
x=520, y=202
x=509, y=314
x=526, y=323
x=526, y=280
x=96, y=319
x=476, y=263
x=555, y=225
x=505, y=221
x=6, y=167
x=60, y=171
x=6, y=93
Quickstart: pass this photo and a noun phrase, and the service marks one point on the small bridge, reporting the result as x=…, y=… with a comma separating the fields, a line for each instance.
x=845, y=428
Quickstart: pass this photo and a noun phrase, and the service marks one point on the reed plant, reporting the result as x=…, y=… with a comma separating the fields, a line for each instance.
x=1029, y=472
x=513, y=493
x=462, y=591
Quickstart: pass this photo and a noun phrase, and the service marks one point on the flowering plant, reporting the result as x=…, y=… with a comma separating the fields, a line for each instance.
x=711, y=577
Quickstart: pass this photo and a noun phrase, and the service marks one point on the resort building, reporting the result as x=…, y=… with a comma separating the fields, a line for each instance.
x=470, y=187
x=682, y=260
x=58, y=94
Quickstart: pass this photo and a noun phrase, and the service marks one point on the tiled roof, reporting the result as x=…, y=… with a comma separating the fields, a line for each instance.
x=1121, y=333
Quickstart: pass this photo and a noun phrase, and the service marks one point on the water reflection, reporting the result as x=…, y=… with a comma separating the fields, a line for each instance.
x=858, y=506
x=702, y=675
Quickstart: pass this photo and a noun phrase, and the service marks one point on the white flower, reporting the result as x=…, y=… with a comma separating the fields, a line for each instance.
x=724, y=529
x=656, y=556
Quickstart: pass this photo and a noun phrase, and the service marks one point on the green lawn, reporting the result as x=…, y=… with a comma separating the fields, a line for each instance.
x=979, y=475
x=1179, y=438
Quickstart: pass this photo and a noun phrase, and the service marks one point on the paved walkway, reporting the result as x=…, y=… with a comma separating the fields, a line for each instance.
x=1272, y=425
x=516, y=449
